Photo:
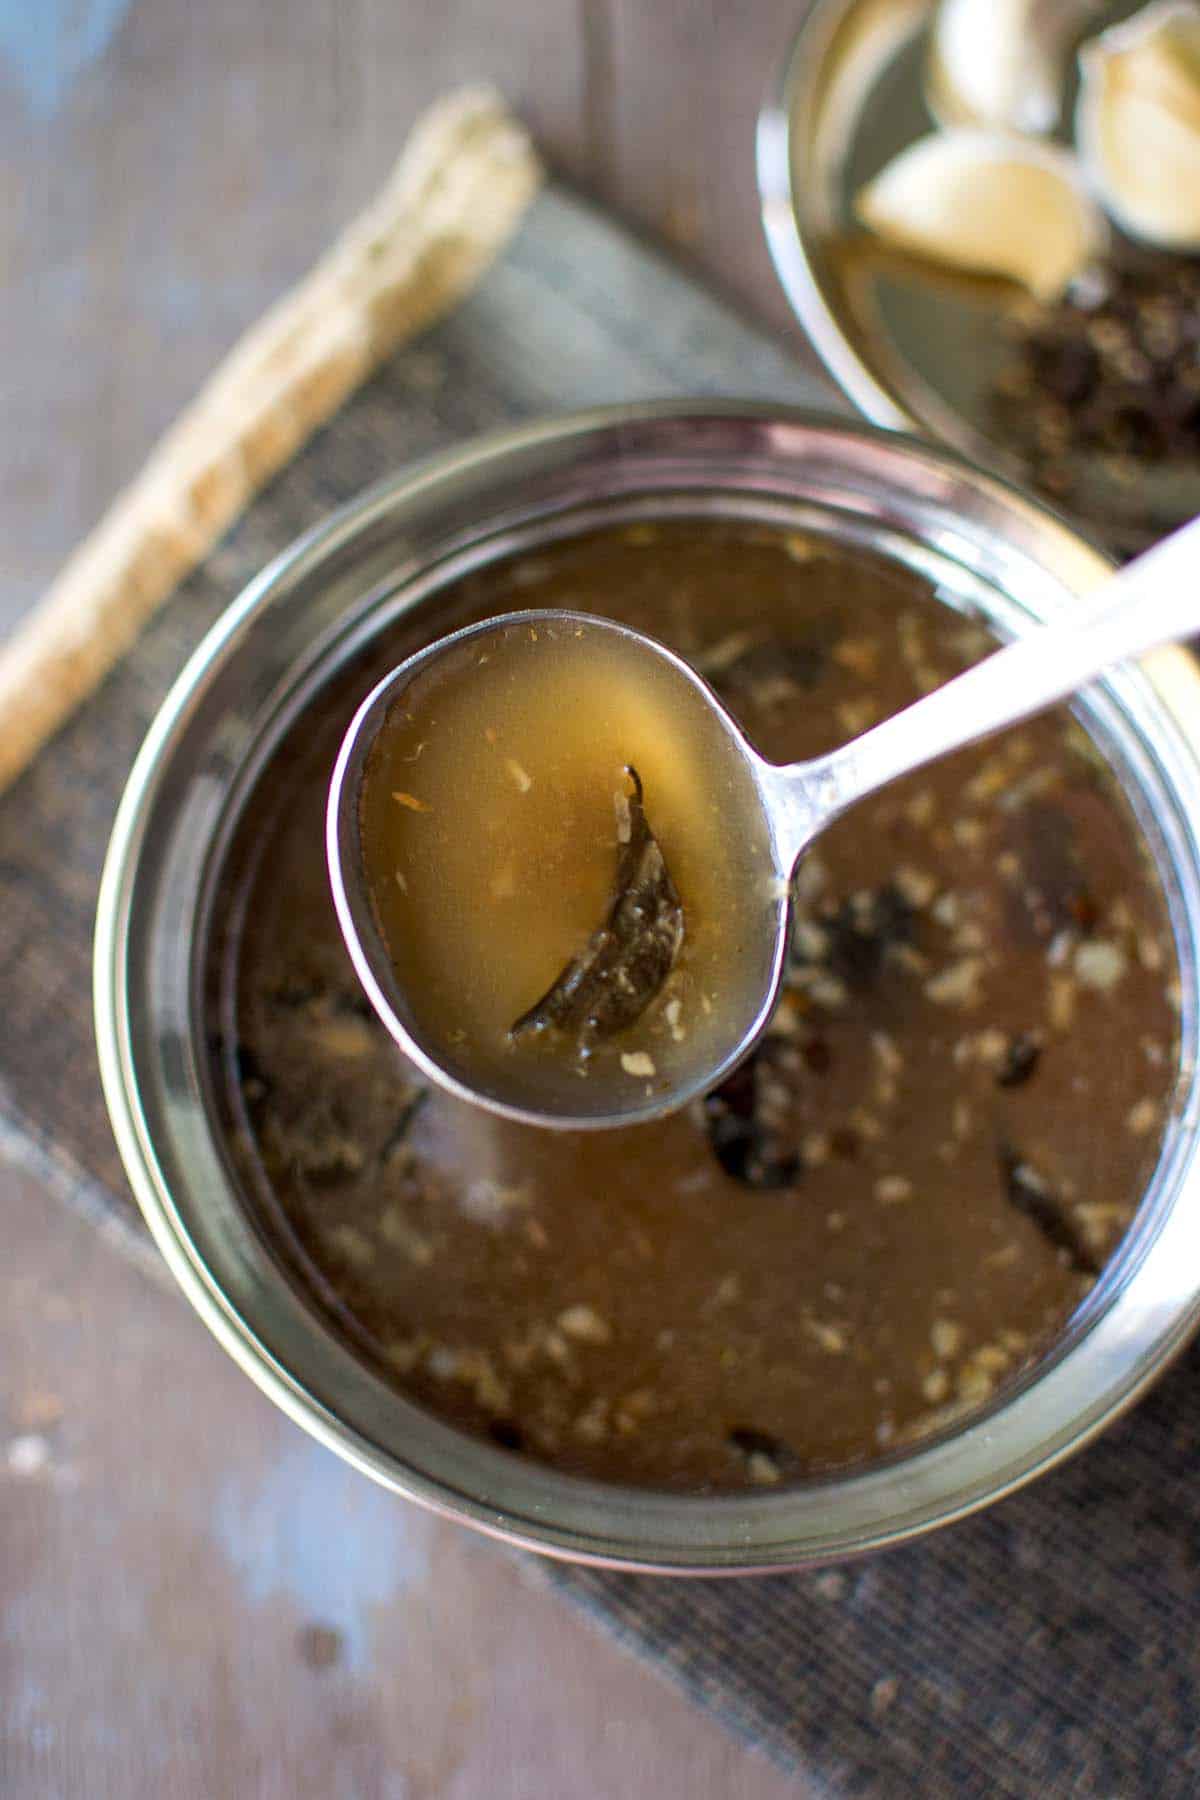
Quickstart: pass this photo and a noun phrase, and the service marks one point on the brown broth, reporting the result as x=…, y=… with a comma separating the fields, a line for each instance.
x=493, y=812
x=887, y=1217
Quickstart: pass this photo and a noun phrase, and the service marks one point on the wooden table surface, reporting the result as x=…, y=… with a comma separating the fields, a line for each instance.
x=169, y=166
x=195, y=1599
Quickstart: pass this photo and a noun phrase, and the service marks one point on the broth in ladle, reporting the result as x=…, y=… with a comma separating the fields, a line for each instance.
x=545, y=828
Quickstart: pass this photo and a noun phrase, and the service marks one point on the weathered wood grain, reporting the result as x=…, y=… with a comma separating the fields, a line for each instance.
x=198, y=1601
x=152, y=208
x=689, y=78
x=163, y=179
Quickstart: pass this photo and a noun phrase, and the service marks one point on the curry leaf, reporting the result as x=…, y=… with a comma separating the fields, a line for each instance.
x=609, y=985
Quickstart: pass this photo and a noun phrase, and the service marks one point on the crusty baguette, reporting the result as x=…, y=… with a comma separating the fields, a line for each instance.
x=454, y=198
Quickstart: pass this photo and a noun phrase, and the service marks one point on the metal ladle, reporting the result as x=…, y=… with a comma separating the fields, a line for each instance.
x=1153, y=600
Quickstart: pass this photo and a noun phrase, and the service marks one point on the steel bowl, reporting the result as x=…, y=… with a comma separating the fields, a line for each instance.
x=912, y=346
x=987, y=551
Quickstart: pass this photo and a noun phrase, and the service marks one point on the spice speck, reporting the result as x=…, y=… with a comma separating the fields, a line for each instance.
x=585, y=1324
x=1100, y=964
x=1142, y=1117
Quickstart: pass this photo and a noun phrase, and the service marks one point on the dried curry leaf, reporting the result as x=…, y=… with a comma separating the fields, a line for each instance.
x=398, y=1137
x=1021, y=1058
x=1027, y=1193
x=755, y=1154
x=750, y=1441
x=862, y=930
x=612, y=981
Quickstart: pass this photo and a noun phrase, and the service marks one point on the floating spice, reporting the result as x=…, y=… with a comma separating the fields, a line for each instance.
x=609, y=985
x=1056, y=892
x=1020, y=1060
x=255, y=1082
x=773, y=671
x=752, y=1442
x=860, y=931
x=767, y=1458
x=507, y=1433
x=1027, y=1193
x=397, y=1138
x=748, y=1148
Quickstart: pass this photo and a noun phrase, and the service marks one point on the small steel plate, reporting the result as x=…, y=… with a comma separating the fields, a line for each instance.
x=913, y=346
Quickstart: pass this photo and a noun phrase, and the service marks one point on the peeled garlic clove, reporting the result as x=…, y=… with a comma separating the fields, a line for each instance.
x=1137, y=123
x=1001, y=63
x=993, y=204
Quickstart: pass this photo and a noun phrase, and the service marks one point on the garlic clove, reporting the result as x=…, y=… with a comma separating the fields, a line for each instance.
x=1002, y=64
x=1137, y=122
x=994, y=204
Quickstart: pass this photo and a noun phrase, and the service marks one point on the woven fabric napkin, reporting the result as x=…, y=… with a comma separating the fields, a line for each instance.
x=1048, y=1648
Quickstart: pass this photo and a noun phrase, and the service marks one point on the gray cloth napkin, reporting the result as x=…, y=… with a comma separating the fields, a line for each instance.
x=1048, y=1648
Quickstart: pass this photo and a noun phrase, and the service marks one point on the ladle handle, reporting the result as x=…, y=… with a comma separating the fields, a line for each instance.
x=1153, y=600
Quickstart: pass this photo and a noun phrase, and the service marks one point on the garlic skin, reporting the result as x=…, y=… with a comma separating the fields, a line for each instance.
x=1002, y=64
x=991, y=203
x=1137, y=123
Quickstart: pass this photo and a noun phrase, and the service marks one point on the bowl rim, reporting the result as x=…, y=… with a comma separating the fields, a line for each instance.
x=1122, y=1350
x=791, y=93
